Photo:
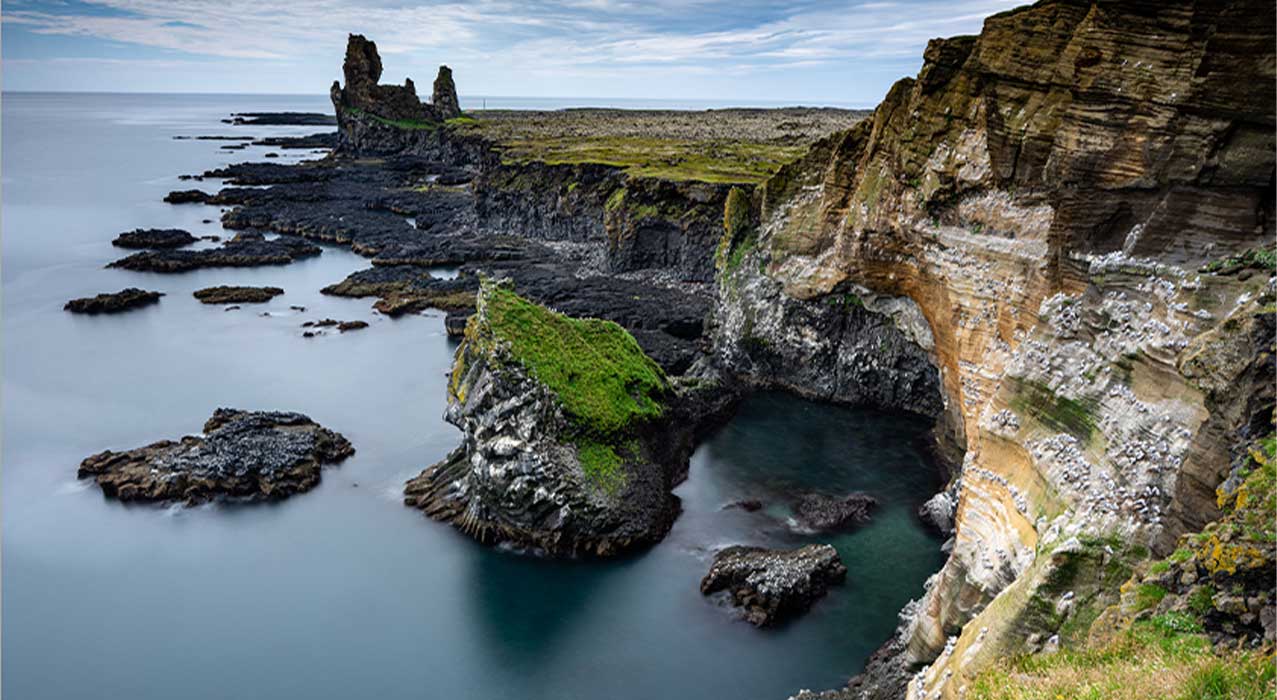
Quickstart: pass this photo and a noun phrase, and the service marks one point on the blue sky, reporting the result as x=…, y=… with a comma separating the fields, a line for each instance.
x=749, y=50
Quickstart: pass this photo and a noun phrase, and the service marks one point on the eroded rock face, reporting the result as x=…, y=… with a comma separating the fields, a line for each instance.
x=772, y=585
x=243, y=455
x=1044, y=194
x=114, y=302
x=444, y=95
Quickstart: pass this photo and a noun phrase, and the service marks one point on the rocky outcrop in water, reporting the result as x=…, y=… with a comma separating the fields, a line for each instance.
x=823, y=513
x=154, y=238
x=573, y=437
x=243, y=455
x=244, y=250
x=773, y=585
x=237, y=295
x=114, y=302
x=1048, y=196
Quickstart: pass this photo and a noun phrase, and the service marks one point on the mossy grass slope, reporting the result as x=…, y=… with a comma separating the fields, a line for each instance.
x=602, y=379
x=667, y=159
x=1162, y=657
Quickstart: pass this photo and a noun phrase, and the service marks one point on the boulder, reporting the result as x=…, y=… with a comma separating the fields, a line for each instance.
x=824, y=513
x=123, y=300
x=772, y=585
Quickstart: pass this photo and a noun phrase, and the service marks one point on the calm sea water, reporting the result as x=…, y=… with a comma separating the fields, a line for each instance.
x=343, y=592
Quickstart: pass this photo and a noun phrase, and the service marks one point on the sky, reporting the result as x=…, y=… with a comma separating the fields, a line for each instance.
x=799, y=52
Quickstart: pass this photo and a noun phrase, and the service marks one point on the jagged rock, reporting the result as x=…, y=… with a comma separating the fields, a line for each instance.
x=187, y=197
x=123, y=300
x=154, y=238
x=824, y=513
x=243, y=455
x=773, y=585
x=237, y=295
x=749, y=505
x=362, y=70
x=444, y=96
x=938, y=512
x=245, y=250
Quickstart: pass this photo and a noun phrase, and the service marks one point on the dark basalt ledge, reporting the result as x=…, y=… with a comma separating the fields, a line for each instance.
x=244, y=250
x=243, y=455
x=123, y=300
x=535, y=470
x=154, y=238
x=773, y=585
x=281, y=119
x=236, y=295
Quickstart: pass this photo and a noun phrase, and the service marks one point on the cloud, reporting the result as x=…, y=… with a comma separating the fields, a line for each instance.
x=565, y=38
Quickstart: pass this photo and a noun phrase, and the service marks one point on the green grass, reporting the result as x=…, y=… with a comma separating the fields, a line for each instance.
x=669, y=159
x=1164, y=658
x=601, y=464
x=1148, y=595
x=1264, y=258
x=603, y=380
x=409, y=124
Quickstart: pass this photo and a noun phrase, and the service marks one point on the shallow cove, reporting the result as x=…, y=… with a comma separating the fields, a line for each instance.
x=343, y=592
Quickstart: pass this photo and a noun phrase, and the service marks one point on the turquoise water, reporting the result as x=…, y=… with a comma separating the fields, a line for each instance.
x=342, y=592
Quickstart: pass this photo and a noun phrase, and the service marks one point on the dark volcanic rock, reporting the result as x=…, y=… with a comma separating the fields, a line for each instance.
x=323, y=140
x=237, y=295
x=444, y=95
x=122, y=300
x=749, y=505
x=823, y=513
x=774, y=584
x=245, y=250
x=154, y=238
x=282, y=119
x=257, y=455
x=188, y=197
x=351, y=325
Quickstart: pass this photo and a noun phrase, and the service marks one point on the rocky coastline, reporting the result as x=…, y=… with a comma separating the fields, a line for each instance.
x=1089, y=323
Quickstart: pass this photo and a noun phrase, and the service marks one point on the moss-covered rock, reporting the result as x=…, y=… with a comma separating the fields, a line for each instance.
x=573, y=436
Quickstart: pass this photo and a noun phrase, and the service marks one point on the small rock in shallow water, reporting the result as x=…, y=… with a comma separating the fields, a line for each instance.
x=123, y=300
x=237, y=295
x=823, y=513
x=748, y=505
x=251, y=455
x=774, y=584
x=154, y=238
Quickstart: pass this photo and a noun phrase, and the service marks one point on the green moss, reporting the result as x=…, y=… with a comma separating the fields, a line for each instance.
x=602, y=378
x=461, y=121
x=1180, y=555
x=1263, y=258
x=410, y=124
x=601, y=464
x=1159, y=567
x=1201, y=600
x=1148, y=595
x=667, y=159
x=615, y=200
x=1073, y=416
x=738, y=254
x=735, y=225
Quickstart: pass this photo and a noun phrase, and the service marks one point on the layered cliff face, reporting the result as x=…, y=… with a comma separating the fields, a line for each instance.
x=1043, y=195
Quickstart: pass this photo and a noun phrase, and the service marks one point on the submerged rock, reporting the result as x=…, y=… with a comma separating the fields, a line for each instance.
x=154, y=238
x=571, y=443
x=123, y=300
x=251, y=455
x=237, y=295
x=822, y=513
x=774, y=584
